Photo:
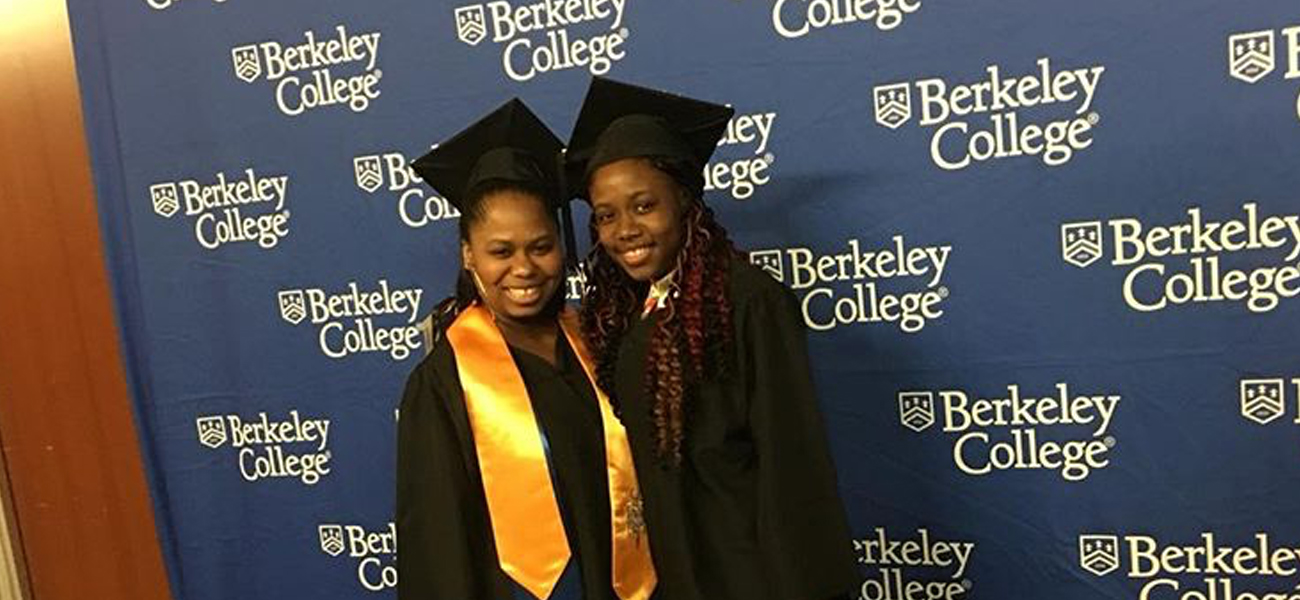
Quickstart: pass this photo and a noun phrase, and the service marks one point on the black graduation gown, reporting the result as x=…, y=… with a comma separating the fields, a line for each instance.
x=753, y=511
x=445, y=549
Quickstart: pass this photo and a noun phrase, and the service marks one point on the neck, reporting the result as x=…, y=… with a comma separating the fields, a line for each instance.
x=529, y=326
x=536, y=335
x=537, y=327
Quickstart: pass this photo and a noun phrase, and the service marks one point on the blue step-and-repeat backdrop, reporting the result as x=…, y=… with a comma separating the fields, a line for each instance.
x=1047, y=252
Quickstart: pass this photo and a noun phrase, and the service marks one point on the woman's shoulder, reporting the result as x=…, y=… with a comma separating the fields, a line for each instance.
x=436, y=371
x=749, y=285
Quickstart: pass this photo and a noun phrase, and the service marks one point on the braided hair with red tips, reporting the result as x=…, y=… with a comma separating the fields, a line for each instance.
x=692, y=337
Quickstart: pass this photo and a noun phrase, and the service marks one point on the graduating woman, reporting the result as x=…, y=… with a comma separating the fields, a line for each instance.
x=514, y=478
x=704, y=358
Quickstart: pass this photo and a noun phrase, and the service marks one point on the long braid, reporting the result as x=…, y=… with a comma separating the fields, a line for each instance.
x=609, y=301
x=692, y=337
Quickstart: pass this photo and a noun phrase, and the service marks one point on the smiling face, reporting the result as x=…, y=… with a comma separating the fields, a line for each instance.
x=637, y=211
x=514, y=249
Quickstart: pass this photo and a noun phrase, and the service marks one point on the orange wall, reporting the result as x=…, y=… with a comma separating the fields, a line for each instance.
x=79, y=493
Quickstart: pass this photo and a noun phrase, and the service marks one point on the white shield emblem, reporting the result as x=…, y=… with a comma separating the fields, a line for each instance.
x=1261, y=399
x=165, y=199
x=1099, y=554
x=770, y=261
x=893, y=104
x=1081, y=243
x=248, y=66
x=331, y=539
x=916, y=410
x=293, y=306
x=369, y=171
x=471, y=24
x=212, y=431
x=1251, y=55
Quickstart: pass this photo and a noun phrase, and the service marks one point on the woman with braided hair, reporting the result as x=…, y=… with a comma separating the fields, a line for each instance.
x=704, y=359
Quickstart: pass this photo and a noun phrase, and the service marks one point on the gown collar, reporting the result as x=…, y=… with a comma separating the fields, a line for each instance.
x=659, y=294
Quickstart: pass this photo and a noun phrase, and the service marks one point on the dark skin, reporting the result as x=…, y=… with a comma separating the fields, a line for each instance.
x=516, y=257
x=638, y=210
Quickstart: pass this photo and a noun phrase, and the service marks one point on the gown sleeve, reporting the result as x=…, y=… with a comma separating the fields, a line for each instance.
x=437, y=524
x=802, y=529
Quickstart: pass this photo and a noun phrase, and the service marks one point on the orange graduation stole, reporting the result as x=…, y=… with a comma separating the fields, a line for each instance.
x=530, y=539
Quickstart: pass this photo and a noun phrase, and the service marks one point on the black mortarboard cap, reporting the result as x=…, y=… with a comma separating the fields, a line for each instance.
x=619, y=120
x=509, y=144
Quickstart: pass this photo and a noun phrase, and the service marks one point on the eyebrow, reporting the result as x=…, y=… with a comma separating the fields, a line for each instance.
x=635, y=195
x=547, y=236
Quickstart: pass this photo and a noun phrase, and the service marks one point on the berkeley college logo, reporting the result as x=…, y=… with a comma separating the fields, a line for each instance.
x=228, y=209
x=1062, y=431
x=293, y=306
x=893, y=104
x=248, y=65
x=417, y=205
x=351, y=321
x=1253, y=55
x=1263, y=400
x=741, y=177
x=212, y=431
x=919, y=566
x=1203, y=568
x=770, y=261
x=794, y=19
x=861, y=285
x=1099, y=554
x=331, y=539
x=375, y=551
x=1185, y=262
x=916, y=410
x=537, y=38
x=291, y=448
x=369, y=172
x=1081, y=243
x=315, y=72
x=1250, y=55
x=471, y=24
x=1010, y=103
x=165, y=199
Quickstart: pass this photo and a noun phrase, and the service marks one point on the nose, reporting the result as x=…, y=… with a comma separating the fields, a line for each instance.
x=626, y=228
x=523, y=265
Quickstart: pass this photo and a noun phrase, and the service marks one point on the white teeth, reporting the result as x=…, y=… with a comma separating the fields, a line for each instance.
x=637, y=254
x=523, y=294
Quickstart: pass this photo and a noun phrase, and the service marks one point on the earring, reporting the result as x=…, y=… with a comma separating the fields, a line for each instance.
x=478, y=283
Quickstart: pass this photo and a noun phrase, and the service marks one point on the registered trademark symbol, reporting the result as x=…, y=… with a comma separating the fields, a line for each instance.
x=1110, y=441
x=1094, y=118
x=379, y=73
x=286, y=214
x=966, y=584
x=769, y=158
x=624, y=32
x=943, y=292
